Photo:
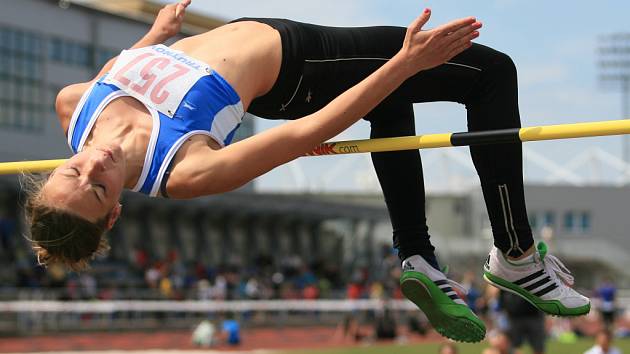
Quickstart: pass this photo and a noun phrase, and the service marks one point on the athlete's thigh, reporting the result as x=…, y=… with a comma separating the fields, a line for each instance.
x=337, y=58
x=452, y=81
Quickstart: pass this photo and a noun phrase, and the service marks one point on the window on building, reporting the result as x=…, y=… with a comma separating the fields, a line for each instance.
x=82, y=52
x=52, y=92
x=569, y=217
x=4, y=114
x=577, y=222
x=69, y=52
x=103, y=55
x=5, y=38
x=585, y=222
x=32, y=45
x=533, y=220
x=549, y=219
x=55, y=49
x=4, y=63
x=21, y=73
x=17, y=44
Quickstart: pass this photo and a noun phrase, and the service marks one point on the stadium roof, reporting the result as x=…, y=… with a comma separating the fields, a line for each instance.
x=145, y=11
x=300, y=206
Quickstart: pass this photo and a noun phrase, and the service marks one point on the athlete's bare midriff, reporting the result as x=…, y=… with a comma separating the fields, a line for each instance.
x=247, y=54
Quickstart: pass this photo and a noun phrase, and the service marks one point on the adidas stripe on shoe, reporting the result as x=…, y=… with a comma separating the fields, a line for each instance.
x=544, y=282
x=433, y=293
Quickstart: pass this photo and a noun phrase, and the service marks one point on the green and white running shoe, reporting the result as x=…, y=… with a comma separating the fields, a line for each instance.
x=433, y=293
x=541, y=279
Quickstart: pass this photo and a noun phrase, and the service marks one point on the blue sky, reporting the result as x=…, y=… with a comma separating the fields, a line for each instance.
x=552, y=43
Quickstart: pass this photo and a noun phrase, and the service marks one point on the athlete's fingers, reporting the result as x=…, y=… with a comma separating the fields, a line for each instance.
x=463, y=32
x=461, y=45
x=458, y=50
x=181, y=6
x=454, y=25
x=420, y=21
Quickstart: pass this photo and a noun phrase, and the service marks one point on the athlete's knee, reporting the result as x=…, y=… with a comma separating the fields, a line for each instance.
x=497, y=82
x=393, y=117
x=501, y=67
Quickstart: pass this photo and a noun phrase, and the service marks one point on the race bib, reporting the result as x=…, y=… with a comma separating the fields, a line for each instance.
x=156, y=76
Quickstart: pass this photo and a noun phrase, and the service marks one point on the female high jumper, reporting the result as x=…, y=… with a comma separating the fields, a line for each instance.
x=159, y=120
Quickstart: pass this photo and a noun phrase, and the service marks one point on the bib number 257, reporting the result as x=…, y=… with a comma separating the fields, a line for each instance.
x=146, y=84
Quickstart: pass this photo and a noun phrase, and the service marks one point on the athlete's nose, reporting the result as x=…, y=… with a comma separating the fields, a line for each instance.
x=97, y=164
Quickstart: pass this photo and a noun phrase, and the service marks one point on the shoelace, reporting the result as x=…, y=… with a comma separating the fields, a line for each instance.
x=555, y=267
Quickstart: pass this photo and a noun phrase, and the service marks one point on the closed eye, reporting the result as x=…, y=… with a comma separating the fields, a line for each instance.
x=102, y=187
x=96, y=185
x=98, y=196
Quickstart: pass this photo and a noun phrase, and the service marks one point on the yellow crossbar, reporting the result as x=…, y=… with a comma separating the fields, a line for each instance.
x=546, y=132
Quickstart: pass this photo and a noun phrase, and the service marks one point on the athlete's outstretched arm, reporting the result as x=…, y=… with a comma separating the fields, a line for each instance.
x=235, y=165
x=166, y=25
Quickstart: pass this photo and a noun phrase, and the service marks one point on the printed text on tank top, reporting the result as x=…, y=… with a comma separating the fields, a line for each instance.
x=157, y=76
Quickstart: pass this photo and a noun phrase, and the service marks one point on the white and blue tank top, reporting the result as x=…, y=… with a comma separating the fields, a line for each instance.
x=184, y=96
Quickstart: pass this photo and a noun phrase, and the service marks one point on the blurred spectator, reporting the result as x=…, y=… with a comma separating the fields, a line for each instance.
x=166, y=288
x=473, y=293
x=140, y=257
x=526, y=324
x=252, y=289
x=152, y=277
x=349, y=330
x=603, y=341
x=606, y=294
x=499, y=343
x=7, y=232
x=494, y=315
x=204, y=291
x=220, y=288
x=386, y=326
x=88, y=286
x=204, y=334
x=565, y=330
x=447, y=348
x=355, y=291
x=491, y=351
x=310, y=292
x=417, y=323
x=377, y=291
x=230, y=330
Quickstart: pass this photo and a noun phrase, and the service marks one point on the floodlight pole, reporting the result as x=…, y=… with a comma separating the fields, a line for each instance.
x=625, y=111
x=614, y=64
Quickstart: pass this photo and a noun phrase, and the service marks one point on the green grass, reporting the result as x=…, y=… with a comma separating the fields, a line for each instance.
x=553, y=347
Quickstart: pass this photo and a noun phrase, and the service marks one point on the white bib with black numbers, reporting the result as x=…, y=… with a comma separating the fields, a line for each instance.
x=157, y=76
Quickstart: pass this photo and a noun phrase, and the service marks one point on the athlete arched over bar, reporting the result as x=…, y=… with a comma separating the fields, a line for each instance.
x=159, y=120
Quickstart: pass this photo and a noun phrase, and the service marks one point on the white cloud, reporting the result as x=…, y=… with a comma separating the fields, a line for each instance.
x=530, y=75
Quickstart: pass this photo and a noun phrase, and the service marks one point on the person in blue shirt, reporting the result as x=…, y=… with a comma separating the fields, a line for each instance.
x=230, y=330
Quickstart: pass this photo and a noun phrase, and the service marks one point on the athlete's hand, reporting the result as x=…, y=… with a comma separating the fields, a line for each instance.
x=427, y=49
x=169, y=20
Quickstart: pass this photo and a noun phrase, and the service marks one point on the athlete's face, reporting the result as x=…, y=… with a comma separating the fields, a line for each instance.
x=89, y=184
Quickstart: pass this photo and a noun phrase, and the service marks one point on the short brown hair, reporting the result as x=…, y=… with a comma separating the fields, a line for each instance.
x=58, y=236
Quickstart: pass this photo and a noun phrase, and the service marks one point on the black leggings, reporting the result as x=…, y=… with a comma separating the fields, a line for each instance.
x=319, y=63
